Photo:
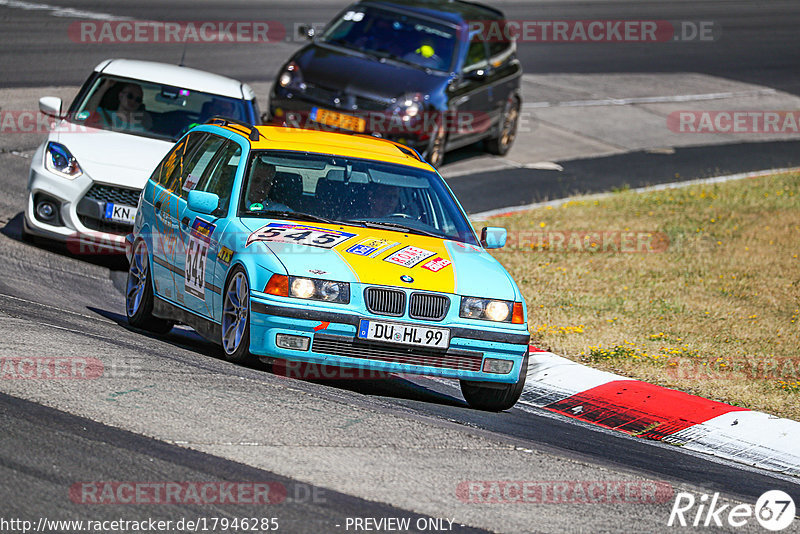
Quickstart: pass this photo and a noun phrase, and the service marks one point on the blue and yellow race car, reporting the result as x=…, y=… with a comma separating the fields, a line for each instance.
x=327, y=248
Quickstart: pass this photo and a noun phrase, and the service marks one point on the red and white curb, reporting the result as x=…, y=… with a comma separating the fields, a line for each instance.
x=654, y=412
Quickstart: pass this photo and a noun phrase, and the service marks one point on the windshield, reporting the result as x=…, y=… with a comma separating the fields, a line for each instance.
x=355, y=191
x=149, y=109
x=392, y=35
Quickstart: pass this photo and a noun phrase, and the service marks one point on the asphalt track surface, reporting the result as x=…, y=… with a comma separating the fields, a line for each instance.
x=54, y=304
x=482, y=191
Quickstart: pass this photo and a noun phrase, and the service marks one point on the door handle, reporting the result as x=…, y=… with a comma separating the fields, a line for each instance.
x=158, y=205
x=185, y=221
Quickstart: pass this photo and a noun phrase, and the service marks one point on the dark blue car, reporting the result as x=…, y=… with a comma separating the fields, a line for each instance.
x=419, y=73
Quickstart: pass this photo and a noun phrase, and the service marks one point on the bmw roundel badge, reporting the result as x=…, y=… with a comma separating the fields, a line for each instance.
x=406, y=278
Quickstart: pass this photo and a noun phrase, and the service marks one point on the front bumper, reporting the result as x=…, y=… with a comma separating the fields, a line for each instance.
x=333, y=341
x=74, y=211
x=295, y=113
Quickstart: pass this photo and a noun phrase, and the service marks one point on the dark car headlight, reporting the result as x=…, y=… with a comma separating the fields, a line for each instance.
x=408, y=106
x=59, y=160
x=291, y=78
x=500, y=311
x=309, y=288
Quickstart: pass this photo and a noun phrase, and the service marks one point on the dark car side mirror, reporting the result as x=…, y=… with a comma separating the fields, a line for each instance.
x=306, y=31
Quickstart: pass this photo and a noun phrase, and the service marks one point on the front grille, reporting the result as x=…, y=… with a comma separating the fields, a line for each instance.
x=382, y=301
x=327, y=97
x=117, y=195
x=462, y=360
x=428, y=306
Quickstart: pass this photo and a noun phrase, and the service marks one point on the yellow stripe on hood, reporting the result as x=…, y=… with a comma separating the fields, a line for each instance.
x=381, y=257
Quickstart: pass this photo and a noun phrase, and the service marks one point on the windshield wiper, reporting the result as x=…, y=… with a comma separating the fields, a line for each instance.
x=394, y=226
x=384, y=55
x=299, y=215
x=346, y=45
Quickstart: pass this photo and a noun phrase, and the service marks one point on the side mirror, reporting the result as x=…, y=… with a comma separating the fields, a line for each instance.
x=202, y=202
x=477, y=75
x=51, y=106
x=305, y=31
x=493, y=237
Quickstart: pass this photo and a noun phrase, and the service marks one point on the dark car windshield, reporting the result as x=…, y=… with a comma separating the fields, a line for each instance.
x=149, y=109
x=347, y=190
x=388, y=34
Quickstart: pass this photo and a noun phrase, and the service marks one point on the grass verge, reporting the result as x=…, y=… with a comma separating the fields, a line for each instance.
x=696, y=289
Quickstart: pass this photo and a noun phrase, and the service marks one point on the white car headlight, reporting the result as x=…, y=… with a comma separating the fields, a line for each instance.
x=59, y=160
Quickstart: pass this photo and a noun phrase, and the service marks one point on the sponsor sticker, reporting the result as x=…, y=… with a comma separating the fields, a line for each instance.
x=436, y=264
x=224, y=255
x=297, y=234
x=203, y=227
x=191, y=182
x=371, y=247
x=409, y=256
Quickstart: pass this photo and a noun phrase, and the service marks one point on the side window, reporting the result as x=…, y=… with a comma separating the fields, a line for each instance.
x=219, y=175
x=196, y=165
x=476, y=56
x=171, y=168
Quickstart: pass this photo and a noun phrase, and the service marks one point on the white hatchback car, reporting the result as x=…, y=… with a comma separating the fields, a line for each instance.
x=85, y=179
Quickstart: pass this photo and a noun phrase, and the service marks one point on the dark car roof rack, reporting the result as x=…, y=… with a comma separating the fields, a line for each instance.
x=252, y=132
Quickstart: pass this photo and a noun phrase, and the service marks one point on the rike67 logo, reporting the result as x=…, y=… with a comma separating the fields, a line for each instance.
x=774, y=510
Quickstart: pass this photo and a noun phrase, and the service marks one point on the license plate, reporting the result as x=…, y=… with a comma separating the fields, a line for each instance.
x=120, y=213
x=338, y=120
x=404, y=334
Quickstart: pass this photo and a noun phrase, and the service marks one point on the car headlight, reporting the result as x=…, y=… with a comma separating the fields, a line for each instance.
x=291, y=77
x=308, y=288
x=500, y=311
x=59, y=160
x=408, y=106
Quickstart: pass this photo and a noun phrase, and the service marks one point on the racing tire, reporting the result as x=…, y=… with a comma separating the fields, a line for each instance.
x=139, y=294
x=495, y=397
x=235, y=331
x=501, y=144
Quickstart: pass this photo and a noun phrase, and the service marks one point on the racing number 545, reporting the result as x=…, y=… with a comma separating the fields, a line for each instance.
x=196, y=254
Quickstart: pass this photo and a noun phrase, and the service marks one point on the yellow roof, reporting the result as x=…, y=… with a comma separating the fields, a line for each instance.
x=339, y=144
